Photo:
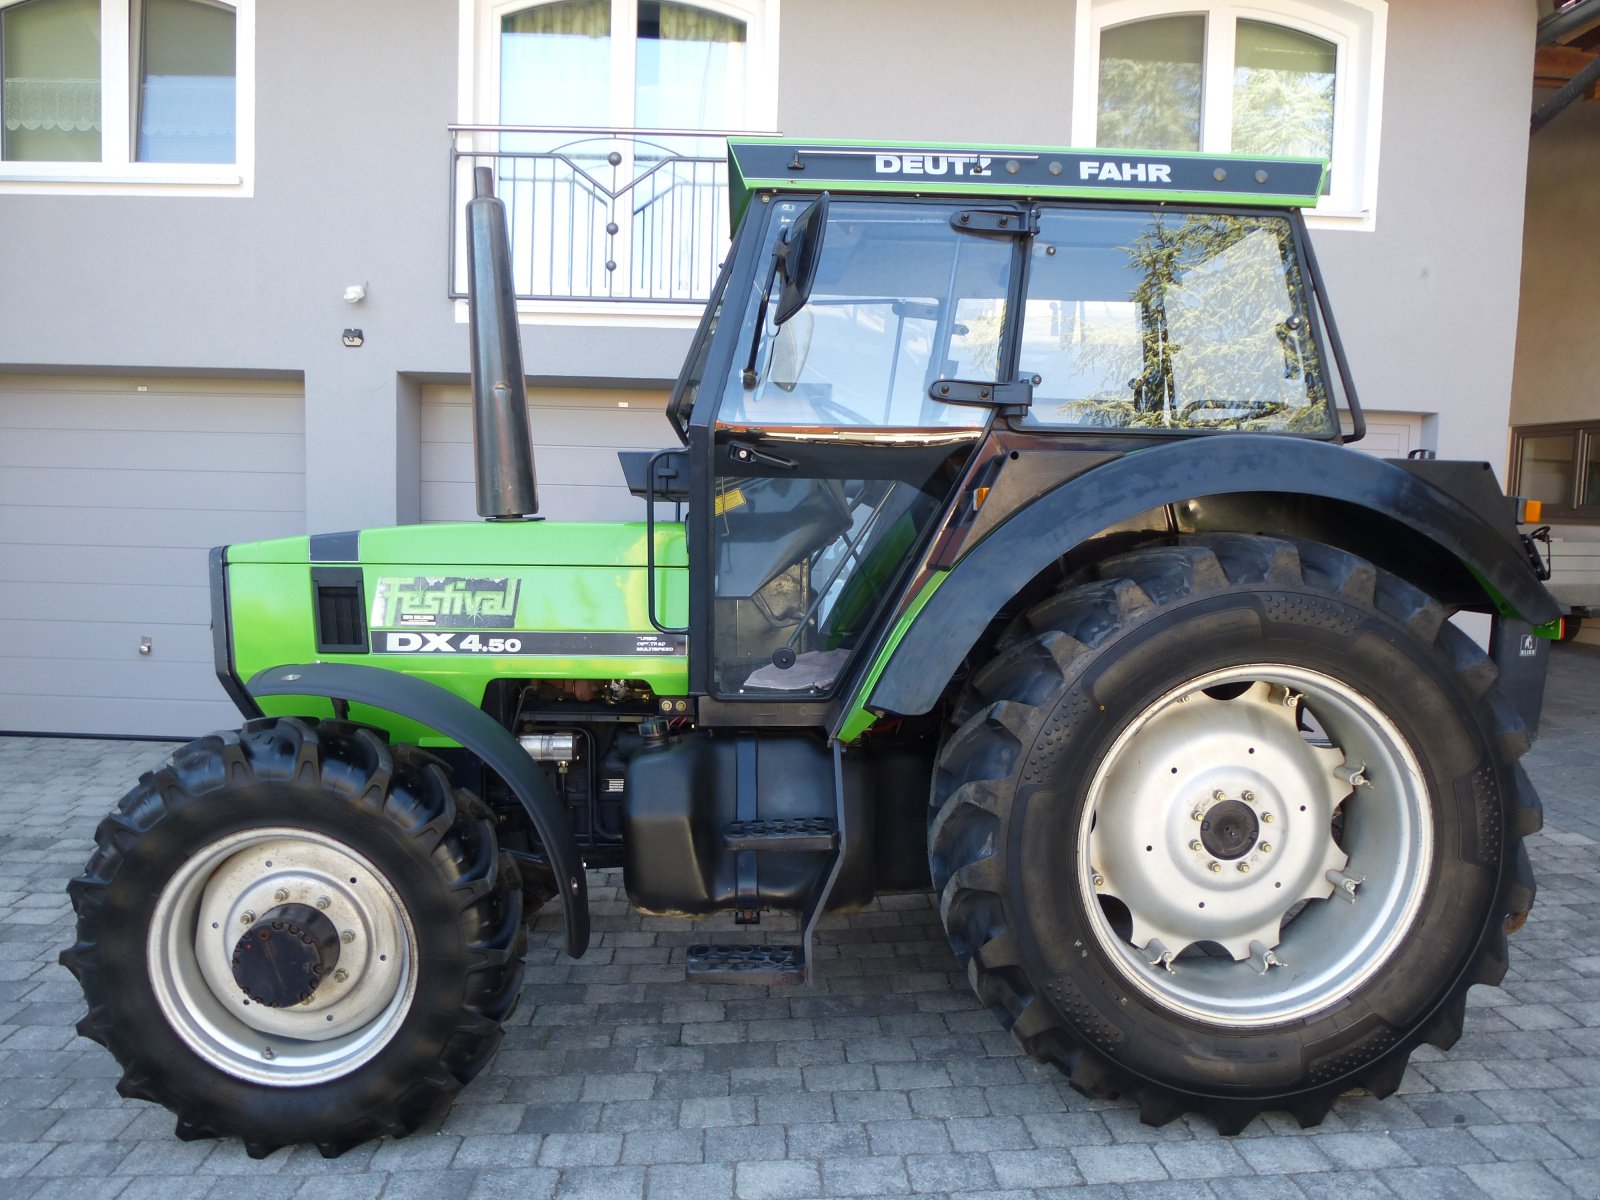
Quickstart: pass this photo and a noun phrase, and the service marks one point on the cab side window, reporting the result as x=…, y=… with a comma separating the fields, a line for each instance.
x=1170, y=320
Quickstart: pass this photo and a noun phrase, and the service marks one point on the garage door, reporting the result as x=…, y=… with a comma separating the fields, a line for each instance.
x=111, y=493
x=1390, y=434
x=576, y=436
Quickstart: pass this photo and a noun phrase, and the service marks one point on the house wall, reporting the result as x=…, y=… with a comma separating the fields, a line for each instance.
x=353, y=100
x=351, y=186
x=1427, y=301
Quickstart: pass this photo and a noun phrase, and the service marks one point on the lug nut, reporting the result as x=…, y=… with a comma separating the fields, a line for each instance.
x=323, y=902
x=341, y=975
x=1244, y=868
x=281, y=895
x=1218, y=795
x=347, y=937
x=1266, y=847
x=1195, y=845
x=1099, y=879
x=1248, y=797
x=1215, y=867
x=247, y=917
x=1267, y=818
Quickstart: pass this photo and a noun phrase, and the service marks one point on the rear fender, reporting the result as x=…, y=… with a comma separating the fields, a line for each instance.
x=430, y=705
x=1470, y=522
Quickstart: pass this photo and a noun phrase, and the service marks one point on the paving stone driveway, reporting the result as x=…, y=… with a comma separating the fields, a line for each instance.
x=619, y=1079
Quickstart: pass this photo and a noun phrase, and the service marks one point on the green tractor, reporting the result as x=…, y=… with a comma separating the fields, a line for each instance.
x=1016, y=555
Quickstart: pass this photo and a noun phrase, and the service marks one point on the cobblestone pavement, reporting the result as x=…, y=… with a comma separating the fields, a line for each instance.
x=619, y=1079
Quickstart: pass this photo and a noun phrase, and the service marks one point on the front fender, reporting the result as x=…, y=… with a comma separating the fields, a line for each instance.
x=480, y=733
x=1030, y=539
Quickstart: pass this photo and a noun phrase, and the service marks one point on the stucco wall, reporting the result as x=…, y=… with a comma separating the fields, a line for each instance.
x=353, y=100
x=1427, y=301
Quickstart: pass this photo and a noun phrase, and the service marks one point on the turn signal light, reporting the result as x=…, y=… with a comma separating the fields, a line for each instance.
x=1532, y=512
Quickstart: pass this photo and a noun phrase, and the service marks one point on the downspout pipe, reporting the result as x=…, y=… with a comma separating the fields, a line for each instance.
x=501, y=445
x=1569, y=91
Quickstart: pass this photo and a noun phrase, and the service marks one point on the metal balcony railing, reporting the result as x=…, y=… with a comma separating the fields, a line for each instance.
x=636, y=215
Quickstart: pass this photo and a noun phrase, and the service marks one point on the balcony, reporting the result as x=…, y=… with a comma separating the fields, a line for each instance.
x=599, y=215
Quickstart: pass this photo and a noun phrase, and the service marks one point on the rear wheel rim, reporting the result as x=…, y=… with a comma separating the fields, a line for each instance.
x=1213, y=878
x=220, y=893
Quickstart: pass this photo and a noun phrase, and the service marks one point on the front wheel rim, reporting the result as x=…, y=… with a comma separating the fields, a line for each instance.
x=225, y=889
x=1258, y=842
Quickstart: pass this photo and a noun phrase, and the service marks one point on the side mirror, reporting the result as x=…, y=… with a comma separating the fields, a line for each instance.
x=798, y=255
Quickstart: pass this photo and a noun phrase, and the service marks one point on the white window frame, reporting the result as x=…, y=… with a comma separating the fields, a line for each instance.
x=117, y=173
x=478, y=96
x=1358, y=30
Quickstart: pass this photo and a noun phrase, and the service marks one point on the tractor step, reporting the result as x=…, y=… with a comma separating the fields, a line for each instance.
x=747, y=964
x=783, y=833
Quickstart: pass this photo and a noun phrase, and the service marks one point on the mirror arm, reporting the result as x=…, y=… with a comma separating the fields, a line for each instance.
x=748, y=376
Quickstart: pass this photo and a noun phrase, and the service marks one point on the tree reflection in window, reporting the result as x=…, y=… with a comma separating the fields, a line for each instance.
x=1165, y=321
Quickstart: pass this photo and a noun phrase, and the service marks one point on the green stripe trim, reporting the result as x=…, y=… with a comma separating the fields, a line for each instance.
x=859, y=718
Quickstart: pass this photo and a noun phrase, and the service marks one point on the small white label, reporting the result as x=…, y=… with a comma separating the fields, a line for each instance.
x=1530, y=645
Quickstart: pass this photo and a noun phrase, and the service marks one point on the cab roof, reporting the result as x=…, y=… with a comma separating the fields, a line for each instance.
x=1018, y=172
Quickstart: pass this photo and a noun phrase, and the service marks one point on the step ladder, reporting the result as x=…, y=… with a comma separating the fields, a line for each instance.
x=750, y=837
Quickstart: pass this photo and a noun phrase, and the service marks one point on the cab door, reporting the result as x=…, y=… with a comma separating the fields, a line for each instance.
x=828, y=457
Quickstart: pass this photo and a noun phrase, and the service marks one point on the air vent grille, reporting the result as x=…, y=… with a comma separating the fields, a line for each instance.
x=340, y=607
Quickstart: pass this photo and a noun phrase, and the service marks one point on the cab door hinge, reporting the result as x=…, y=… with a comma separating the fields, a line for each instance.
x=992, y=221
x=1012, y=399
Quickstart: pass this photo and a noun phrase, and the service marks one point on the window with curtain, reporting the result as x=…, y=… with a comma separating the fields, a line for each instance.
x=50, y=102
x=171, y=98
x=622, y=63
x=186, y=90
x=1220, y=76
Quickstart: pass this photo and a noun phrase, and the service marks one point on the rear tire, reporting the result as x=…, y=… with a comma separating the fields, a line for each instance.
x=291, y=833
x=1147, y=827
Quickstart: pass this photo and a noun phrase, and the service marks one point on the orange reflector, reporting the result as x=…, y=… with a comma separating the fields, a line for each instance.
x=978, y=497
x=1532, y=510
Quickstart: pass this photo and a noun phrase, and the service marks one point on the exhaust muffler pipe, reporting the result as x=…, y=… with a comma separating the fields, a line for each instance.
x=500, y=441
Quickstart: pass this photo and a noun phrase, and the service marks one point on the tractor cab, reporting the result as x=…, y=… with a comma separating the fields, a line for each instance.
x=861, y=347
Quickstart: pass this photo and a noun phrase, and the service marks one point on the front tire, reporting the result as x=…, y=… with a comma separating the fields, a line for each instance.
x=297, y=933
x=1232, y=828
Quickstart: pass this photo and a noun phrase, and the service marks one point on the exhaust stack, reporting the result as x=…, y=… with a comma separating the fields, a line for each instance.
x=500, y=442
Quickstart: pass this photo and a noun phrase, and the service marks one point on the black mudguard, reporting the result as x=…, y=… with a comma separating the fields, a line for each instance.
x=431, y=705
x=1471, y=523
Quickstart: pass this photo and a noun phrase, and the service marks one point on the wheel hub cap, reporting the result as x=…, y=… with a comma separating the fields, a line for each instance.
x=1230, y=830
x=284, y=956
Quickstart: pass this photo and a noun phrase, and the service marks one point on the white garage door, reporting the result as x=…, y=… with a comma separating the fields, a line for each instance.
x=576, y=436
x=112, y=491
x=1390, y=434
